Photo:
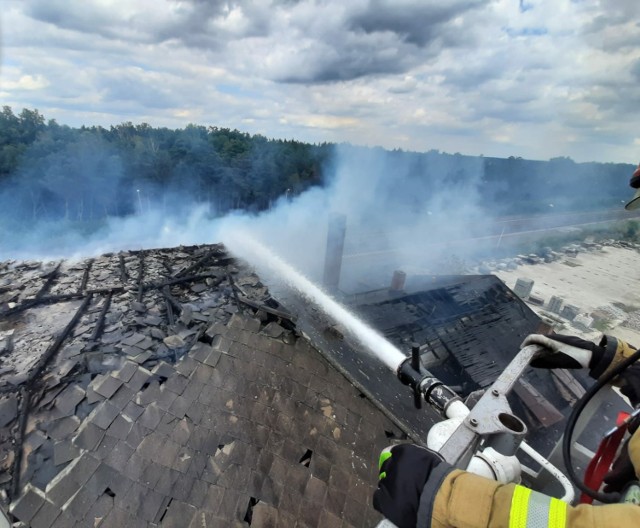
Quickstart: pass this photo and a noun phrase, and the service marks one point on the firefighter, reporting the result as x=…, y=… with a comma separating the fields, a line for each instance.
x=417, y=488
x=634, y=203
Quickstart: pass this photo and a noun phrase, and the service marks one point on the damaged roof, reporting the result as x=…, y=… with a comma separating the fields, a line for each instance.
x=168, y=388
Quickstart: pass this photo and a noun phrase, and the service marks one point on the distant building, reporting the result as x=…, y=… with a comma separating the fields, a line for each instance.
x=523, y=288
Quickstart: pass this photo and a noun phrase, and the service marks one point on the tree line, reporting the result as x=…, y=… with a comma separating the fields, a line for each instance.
x=48, y=170
x=53, y=171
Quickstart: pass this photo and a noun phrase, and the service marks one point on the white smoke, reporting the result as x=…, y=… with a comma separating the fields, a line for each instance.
x=403, y=211
x=408, y=210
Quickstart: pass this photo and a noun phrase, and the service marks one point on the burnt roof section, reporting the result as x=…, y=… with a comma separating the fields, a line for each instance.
x=475, y=321
x=167, y=387
x=468, y=329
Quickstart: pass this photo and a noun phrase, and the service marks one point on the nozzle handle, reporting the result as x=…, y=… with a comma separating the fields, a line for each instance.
x=415, y=365
x=417, y=398
x=415, y=357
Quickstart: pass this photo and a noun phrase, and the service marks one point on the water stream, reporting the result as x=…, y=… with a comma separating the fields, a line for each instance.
x=244, y=245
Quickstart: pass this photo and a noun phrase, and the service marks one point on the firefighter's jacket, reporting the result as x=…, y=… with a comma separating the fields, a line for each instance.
x=465, y=500
x=468, y=501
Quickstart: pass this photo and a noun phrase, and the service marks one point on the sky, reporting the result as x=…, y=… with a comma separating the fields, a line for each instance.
x=530, y=78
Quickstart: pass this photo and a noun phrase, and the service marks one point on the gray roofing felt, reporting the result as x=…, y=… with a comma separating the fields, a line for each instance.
x=167, y=388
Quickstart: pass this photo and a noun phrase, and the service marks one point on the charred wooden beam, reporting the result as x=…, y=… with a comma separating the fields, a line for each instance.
x=170, y=316
x=55, y=346
x=97, y=331
x=140, y=276
x=28, y=386
x=47, y=284
x=216, y=251
x=25, y=404
x=180, y=280
x=124, y=276
x=171, y=299
x=50, y=299
x=168, y=267
x=85, y=276
x=261, y=306
x=234, y=290
x=102, y=291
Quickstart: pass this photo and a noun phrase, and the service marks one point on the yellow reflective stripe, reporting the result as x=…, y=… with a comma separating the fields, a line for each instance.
x=519, y=507
x=557, y=514
x=530, y=509
x=384, y=456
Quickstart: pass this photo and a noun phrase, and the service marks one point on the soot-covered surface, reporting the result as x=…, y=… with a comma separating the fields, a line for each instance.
x=168, y=388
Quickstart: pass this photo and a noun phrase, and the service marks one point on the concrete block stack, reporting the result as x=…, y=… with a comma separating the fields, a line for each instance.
x=523, y=288
x=570, y=312
x=583, y=321
x=555, y=304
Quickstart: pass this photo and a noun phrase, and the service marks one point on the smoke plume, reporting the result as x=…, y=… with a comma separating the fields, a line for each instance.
x=402, y=210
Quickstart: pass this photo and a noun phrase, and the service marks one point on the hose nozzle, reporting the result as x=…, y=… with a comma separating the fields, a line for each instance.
x=423, y=383
x=411, y=372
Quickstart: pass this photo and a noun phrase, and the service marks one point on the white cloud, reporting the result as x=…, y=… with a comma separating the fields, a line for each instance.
x=25, y=82
x=556, y=78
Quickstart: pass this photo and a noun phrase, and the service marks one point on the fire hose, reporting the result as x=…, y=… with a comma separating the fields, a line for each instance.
x=573, y=419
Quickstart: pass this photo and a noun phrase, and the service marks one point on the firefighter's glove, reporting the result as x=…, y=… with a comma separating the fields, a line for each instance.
x=410, y=477
x=622, y=471
x=629, y=383
x=562, y=351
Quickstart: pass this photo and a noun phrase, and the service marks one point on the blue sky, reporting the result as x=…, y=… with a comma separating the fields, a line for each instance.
x=536, y=79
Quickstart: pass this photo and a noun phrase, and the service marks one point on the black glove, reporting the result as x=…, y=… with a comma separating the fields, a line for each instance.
x=629, y=383
x=410, y=477
x=622, y=471
x=563, y=351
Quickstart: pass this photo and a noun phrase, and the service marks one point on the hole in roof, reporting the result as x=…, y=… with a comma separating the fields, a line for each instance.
x=165, y=510
x=144, y=386
x=396, y=435
x=109, y=492
x=204, y=338
x=162, y=379
x=305, y=460
x=271, y=302
x=248, y=516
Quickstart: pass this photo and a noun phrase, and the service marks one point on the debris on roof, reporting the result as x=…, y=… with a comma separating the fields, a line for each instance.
x=168, y=388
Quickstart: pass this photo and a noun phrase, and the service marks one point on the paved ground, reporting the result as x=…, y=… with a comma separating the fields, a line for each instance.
x=591, y=281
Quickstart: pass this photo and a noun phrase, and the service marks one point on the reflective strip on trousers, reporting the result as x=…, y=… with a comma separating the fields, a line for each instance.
x=530, y=509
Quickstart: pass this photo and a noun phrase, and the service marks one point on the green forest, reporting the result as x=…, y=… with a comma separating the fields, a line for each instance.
x=55, y=171
x=50, y=171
